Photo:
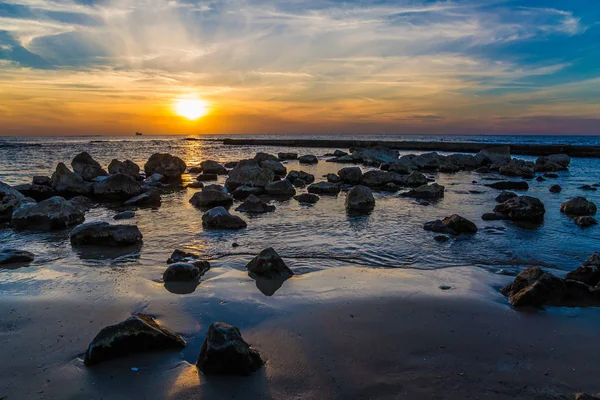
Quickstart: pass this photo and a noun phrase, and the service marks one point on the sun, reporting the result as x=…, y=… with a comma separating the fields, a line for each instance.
x=191, y=109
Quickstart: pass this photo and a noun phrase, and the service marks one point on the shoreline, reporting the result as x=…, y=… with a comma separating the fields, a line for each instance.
x=466, y=147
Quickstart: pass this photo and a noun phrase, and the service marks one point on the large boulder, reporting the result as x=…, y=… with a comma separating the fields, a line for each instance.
x=502, y=197
x=535, y=287
x=325, y=188
x=588, y=272
x=463, y=161
x=261, y=157
x=213, y=167
x=225, y=352
x=36, y=192
x=170, y=167
x=105, y=234
x=54, y=213
x=248, y=173
x=350, y=175
x=118, y=187
x=65, y=181
x=308, y=159
x=499, y=155
x=562, y=160
x=12, y=256
x=211, y=198
x=151, y=198
x=185, y=272
x=300, y=175
x=254, y=205
x=280, y=188
x=275, y=166
x=578, y=206
x=137, y=334
x=268, y=264
x=88, y=168
x=360, y=200
x=126, y=167
x=509, y=185
x=428, y=161
x=376, y=178
x=220, y=218
x=433, y=191
x=517, y=168
x=414, y=179
x=10, y=200
x=522, y=208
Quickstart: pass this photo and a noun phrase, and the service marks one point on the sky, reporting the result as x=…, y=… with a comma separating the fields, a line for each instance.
x=91, y=67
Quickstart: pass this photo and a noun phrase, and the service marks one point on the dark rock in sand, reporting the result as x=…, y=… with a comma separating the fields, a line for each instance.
x=41, y=180
x=268, y=264
x=351, y=175
x=254, y=205
x=325, y=188
x=117, y=187
x=287, y=156
x=207, y=177
x=151, y=198
x=308, y=159
x=105, y=234
x=249, y=173
x=54, y=213
x=280, y=188
x=225, y=352
x=220, y=218
x=210, y=167
x=333, y=178
x=360, y=200
x=588, y=272
x=185, y=272
x=453, y=225
x=588, y=188
x=137, y=334
x=126, y=167
x=182, y=256
x=307, y=198
x=170, y=167
x=194, y=170
x=65, y=181
x=578, y=206
x=502, y=197
x=555, y=189
x=586, y=222
x=208, y=198
x=36, y=192
x=244, y=192
x=535, y=287
x=277, y=167
x=301, y=175
x=522, y=208
x=433, y=191
x=124, y=215
x=88, y=168
x=12, y=256
x=509, y=185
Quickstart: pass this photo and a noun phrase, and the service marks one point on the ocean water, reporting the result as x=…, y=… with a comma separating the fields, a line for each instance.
x=310, y=238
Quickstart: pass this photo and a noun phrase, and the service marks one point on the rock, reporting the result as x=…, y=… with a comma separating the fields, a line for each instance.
x=260, y=157
x=588, y=272
x=170, y=167
x=137, y=334
x=299, y=183
x=207, y=177
x=124, y=215
x=560, y=159
x=88, y=168
x=301, y=175
x=210, y=167
x=578, y=206
x=254, y=205
x=517, y=168
x=376, y=178
x=54, y=213
x=403, y=166
x=220, y=218
x=494, y=155
x=550, y=175
x=350, y=175
x=249, y=173
x=308, y=159
x=588, y=188
x=441, y=238
x=307, y=198
x=333, y=178
x=586, y=222
x=231, y=164
x=522, y=208
x=555, y=189
x=151, y=198
x=453, y=225
x=427, y=161
x=105, y=234
x=509, y=185
x=155, y=179
x=374, y=155
x=540, y=179
x=182, y=256
x=211, y=198
x=118, y=187
x=502, y=197
x=463, y=161
x=494, y=217
x=36, y=192
x=483, y=170
x=243, y=192
x=41, y=180
x=216, y=187
x=65, y=181
x=390, y=187
x=268, y=264
x=415, y=179
x=194, y=170
x=449, y=167
x=281, y=188
x=185, y=272
x=195, y=185
x=325, y=188
x=287, y=156
x=360, y=200
x=12, y=256
x=585, y=396
x=10, y=200
x=126, y=167
x=82, y=203
x=535, y=287
x=433, y=191
x=225, y=352
x=275, y=166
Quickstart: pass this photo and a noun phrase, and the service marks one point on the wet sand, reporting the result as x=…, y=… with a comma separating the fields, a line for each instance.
x=343, y=333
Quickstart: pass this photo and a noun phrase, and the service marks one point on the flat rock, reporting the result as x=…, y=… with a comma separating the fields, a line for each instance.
x=308, y=159
x=433, y=191
x=105, y=234
x=287, y=156
x=211, y=198
x=12, y=256
x=207, y=177
x=325, y=188
x=254, y=205
x=54, y=213
x=220, y=218
x=307, y=198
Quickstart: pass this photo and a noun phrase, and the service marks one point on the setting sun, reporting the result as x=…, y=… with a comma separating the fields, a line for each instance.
x=191, y=109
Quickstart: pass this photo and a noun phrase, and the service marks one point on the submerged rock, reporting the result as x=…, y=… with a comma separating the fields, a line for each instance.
x=126, y=167
x=54, y=213
x=307, y=198
x=170, y=167
x=151, y=198
x=88, y=168
x=287, y=156
x=220, y=218
x=268, y=264
x=211, y=198
x=249, y=173
x=254, y=205
x=502, y=197
x=509, y=185
x=137, y=334
x=588, y=188
x=118, y=187
x=586, y=221
x=325, y=188
x=555, y=189
x=308, y=159
x=433, y=191
x=578, y=206
x=360, y=200
x=225, y=352
x=522, y=208
x=65, y=181
x=12, y=256
x=105, y=234
x=185, y=272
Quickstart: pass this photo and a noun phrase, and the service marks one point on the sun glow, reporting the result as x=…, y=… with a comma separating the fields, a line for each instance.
x=191, y=109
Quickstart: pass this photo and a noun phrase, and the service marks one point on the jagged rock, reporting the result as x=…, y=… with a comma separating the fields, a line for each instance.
x=427, y=161
x=260, y=157
x=220, y=218
x=578, y=206
x=41, y=180
x=586, y=222
x=126, y=167
x=562, y=160
x=213, y=167
x=105, y=234
x=208, y=198
x=170, y=167
x=287, y=156
x=88, y=168
x=207, y=177
x=268, y=264
x=82, y=203
x=249, y=173
x=502, y=197
x=151, y=198
x=376, y=178
x=588, y=272
x=494, y=155
x=255, y=205
x=10, y=200
x=307, y=198
x=225, y=352
x=509, y=185
x=301, y=175
x=433, y=191
x=360, y=200
x=185, y=272
x=517, y=168
x=555, y=189
x=415, y=179
x=351, y=175
x=280, y=188
x=118, y=187
x=522, y=208
x=243, y=192
x=54, y=213
x=275, y=166
x=36, y=192
x=12, y=256
x=308, y=159
x=325, y=188
x=137, y=334
x=65, y=181
x=453, y=225
x=124, y=215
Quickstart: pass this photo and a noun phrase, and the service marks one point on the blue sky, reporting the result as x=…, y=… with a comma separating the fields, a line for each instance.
x=107, y=66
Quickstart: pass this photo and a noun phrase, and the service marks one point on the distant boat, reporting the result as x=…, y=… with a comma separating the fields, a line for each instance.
x=138, y=134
